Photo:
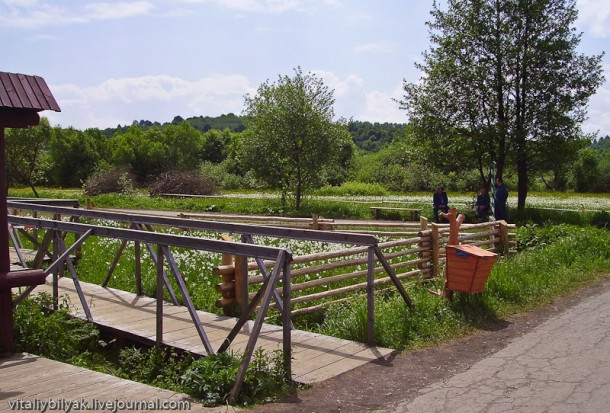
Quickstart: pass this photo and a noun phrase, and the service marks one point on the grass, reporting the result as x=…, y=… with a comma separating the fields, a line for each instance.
x=556, y=260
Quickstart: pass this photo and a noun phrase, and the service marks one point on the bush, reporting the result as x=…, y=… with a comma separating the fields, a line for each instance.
x=40, y=330
x=179, y=182
x=116, y=180
x=211, y=378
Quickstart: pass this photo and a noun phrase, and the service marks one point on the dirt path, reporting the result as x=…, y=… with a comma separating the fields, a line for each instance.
x=383, y=386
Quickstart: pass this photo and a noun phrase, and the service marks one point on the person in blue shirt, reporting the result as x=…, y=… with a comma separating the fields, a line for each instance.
x=482, y=204
x=501, y=195
x=440, y=202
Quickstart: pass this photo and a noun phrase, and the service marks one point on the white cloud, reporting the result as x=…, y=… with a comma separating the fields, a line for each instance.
x=35, y=13
x=379, y=47
x=155, y=98
x=271, y=6
x=118, y=10
x=599, y=116
x=595, y=14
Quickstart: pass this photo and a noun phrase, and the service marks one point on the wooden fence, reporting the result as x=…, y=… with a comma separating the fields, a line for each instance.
x=321, y=279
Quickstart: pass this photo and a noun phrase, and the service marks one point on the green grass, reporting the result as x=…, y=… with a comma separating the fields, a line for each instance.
x=558, y=260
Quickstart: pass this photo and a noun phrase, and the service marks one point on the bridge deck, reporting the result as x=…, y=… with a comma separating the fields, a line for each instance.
x=29, y=381
x=315, y=357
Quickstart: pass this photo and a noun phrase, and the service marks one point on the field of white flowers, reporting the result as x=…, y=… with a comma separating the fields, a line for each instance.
x=567, y=201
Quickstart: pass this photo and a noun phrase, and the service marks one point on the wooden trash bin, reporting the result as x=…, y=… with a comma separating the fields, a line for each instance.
x=468, y=268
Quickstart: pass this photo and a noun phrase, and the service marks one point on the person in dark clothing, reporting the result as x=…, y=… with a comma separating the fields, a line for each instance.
x=440, y=202
x=500, y=198
x=482, y=204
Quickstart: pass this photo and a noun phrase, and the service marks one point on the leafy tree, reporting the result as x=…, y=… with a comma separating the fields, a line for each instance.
x=25, y=154
x=502, y=78
x=215, y=145
x=144, y=152
x=290, y=134
x=75, y=155
x=586, y=170
x=183, y=145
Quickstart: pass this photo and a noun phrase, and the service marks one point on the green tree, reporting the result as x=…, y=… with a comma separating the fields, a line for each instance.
x=290, y=134
x=182, y=143
x=502, y=77
x=26, y=154
x=143, y=151
x=586, y=170
x=75, y=155
x=215, y=145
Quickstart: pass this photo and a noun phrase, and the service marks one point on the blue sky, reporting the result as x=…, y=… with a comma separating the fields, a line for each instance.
x=109, y=63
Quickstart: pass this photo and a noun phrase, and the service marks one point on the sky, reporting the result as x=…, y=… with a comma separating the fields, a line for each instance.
x=110, y=63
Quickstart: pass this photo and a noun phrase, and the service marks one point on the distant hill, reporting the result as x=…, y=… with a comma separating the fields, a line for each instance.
x=370, y=137
x=602, y=144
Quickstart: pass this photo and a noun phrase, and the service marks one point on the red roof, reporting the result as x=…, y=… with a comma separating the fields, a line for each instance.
x=19, y=91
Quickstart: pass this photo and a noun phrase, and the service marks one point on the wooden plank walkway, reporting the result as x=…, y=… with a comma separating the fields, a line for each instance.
x=26, y=382
x=315, y=357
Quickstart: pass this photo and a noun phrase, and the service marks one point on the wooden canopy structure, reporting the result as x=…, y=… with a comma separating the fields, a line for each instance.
x=21, y=98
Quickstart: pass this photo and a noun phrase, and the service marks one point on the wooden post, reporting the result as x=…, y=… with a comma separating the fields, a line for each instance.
x=241, y=282
x=314, y=218
x=160, y=255
x=370, y=297
x=423, y=223
x=138, y=258
x=287, y=320
x=504, y=236
x=435, y=250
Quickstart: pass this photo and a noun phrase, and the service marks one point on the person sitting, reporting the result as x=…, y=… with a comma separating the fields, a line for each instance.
x=482, y=204
x=440, y=202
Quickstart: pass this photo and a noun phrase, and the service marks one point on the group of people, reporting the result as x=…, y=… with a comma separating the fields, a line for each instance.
x=440, y=202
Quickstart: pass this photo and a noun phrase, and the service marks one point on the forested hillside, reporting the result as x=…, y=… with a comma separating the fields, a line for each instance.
x=370, y=137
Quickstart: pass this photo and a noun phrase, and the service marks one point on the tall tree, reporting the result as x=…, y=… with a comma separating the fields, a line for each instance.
x=290, y=135
x=502, y=78
x=26, y=153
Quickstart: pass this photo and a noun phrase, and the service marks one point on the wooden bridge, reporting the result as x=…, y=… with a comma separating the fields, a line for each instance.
x=308, y=357
x=315, y=357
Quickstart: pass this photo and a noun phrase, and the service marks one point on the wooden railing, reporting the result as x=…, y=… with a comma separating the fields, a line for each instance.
x=337, y=275
x=53, y=244
x=367, y=243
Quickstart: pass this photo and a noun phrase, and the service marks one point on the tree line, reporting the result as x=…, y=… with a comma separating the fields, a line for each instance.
x=502, y=82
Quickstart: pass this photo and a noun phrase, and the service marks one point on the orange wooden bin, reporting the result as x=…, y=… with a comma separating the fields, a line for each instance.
x=468, y=268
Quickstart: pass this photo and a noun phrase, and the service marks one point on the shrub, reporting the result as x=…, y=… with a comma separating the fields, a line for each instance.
x=181, y=182
x=40, y=330
x=211, y=378
x=116, y=180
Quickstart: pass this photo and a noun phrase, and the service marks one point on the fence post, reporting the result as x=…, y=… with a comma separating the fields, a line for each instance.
x=241, y=282
x=287, y=320
x=435, y=250
x=370, y=297
x=160, y=255
x=504, y=235
x=423, y=223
